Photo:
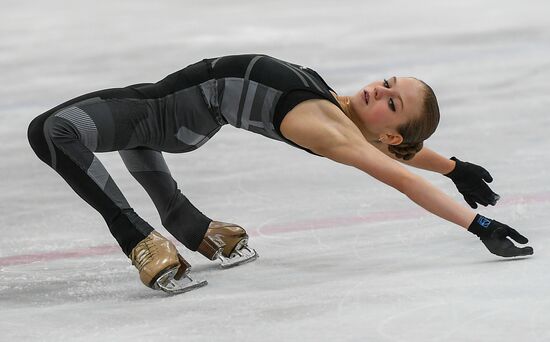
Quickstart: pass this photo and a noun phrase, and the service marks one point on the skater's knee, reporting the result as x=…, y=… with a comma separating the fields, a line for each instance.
x=72, y=124
x=57, y=128
x=37, y=138
x=32, y=132
x=44, y=131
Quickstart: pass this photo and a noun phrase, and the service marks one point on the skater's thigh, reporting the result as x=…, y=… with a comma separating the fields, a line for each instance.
x=120, y=123
x=65, y=119
x=104, y=121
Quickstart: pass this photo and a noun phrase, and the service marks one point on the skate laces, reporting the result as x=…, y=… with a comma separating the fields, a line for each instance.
x=144, y=253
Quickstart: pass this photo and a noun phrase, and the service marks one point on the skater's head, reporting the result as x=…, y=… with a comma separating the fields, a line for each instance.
x=401, y=112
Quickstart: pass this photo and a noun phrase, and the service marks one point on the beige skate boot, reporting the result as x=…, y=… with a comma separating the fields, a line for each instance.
x=227, y=242
x=161, y=267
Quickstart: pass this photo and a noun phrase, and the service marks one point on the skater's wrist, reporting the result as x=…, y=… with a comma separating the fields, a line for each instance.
x=450, y=166
x=453, y=167
x=481, y=226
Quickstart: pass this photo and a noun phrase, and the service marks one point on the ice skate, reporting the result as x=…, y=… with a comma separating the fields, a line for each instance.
x=161, y=267
x=227, y=242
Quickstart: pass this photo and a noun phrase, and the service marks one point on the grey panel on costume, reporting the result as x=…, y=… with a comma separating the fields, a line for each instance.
x=250, y=66
x=209, y=90
x=195, y=114
x=102, y=178
x=258, y=124
x=114, y=193
x=312, y=80
x=61, y=133
x=250, y=95
x=268, y=109
x=98, y=173
x=258, y=103
x=300, y=70
x=258, y=108
x=100, y=113
x=258, y=130
x=84, y=124
x=190, y=109
x=189, y=137
x=231, y=98
x=215, y=61
x=149, y=168
x=142, y=160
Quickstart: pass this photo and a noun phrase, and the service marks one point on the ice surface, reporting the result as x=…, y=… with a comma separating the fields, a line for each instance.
x=343, y=257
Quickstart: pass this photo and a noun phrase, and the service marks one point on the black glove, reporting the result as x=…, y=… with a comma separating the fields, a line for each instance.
x=470, y=181
x=493, y=235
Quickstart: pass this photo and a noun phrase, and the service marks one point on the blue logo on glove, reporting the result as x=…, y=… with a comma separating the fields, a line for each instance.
x=483, y=221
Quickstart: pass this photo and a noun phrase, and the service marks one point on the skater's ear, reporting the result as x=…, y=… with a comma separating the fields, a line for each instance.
x=391, y=138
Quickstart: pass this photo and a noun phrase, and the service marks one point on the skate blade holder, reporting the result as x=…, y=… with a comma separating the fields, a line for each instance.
x=241, y=255
x=171, y=285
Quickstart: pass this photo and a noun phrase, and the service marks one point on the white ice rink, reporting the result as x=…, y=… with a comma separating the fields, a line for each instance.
x=343, y=257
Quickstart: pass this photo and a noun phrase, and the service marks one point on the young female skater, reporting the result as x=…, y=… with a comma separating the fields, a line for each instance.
x=265, y=95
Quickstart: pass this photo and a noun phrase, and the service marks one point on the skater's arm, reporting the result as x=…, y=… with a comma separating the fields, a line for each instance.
x=367, y=158
x=425, y=159
x=330, y=135
x=358, y=153
x=336, y=138
x=470, y=179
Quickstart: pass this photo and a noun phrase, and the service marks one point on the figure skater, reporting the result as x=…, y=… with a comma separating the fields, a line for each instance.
x=384, y=121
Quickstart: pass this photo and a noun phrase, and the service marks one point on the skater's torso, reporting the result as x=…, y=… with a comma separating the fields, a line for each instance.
x=257, y=92
x=185, y=109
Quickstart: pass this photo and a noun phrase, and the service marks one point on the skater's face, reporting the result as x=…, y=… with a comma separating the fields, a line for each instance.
x=384, y=105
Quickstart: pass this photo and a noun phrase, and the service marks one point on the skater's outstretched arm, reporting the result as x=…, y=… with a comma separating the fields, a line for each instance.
x=425, y=159
x=340, y=140
x=470, y=179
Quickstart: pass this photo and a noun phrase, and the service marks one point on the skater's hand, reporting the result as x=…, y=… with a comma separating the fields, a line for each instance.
x=470, y=181
x=494, y=235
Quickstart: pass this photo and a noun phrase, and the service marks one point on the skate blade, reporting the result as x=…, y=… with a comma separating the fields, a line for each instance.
x=169, y=284
x=240, y=256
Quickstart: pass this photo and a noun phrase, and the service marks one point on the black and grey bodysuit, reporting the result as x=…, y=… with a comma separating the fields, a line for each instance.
x=177, y=114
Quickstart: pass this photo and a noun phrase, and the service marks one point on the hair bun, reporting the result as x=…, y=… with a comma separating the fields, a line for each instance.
x=405, y=151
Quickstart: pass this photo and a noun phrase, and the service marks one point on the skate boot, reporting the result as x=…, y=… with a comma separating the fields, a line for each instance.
x=161, y=267
x=227, y=242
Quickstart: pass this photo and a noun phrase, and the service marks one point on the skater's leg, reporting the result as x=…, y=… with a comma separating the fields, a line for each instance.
x=150, y=115
x=65, y=139
x=178, y=215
